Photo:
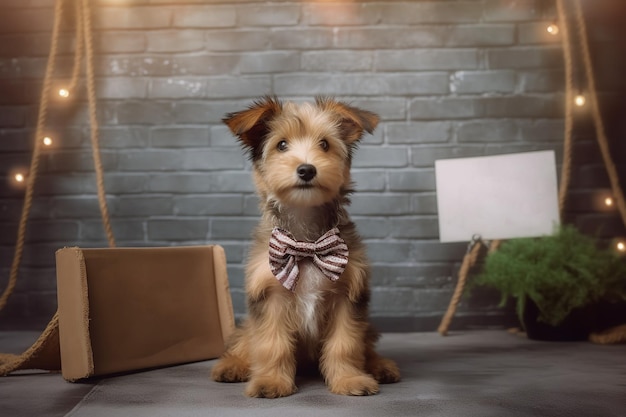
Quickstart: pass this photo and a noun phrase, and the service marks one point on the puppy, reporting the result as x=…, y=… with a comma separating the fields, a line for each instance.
x=307, y=276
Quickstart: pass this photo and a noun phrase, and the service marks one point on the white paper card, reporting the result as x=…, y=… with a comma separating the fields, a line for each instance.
x=497, y=197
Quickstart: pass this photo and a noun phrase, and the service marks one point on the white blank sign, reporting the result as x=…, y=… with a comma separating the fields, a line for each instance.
x=497, y=197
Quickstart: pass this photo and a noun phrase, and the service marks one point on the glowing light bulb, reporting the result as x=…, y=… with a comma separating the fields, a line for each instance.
x=47, y=141
x=580, y=100
x=553, y=29
x=621, y=246
x=19, y=177
x=64, y=92
x=608, y=201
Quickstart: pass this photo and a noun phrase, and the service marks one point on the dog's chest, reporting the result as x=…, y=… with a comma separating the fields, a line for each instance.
x=310, y=296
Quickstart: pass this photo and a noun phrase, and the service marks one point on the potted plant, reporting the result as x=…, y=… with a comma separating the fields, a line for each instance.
x=564, y=285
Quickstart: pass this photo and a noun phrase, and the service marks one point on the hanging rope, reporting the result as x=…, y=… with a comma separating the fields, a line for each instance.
x=84, y=43
x=566, y=167
x=601, y=137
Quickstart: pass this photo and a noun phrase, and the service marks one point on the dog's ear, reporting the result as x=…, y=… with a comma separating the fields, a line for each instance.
x=251, y=125
x=353, y=121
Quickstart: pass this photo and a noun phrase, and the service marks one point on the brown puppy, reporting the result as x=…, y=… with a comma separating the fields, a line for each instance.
x=307, y=277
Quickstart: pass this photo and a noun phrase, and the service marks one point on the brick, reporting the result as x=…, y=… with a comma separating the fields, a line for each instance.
x=123, y=230
x=122, y=137
x=601, y=225
x=487, y=131
x=390, y=37
x=26, y=20
x=132, y=18
x=212, y=159
x=126, y=182
x=122, y=88
x=238, y=87
x=337, y=60
x=153, y=160
x=405, y=300
x=12, y=116
x=142, y=206
x=212, y=16
x=268, y=15
x=177, y=88
x=527, y=57
x=269, y=62
x=66, y=184
x=479, y=82
x=340, y=14
x=379, y=204
x=425, y=156
x=445, y=108
x=237, y=40
x=414, y=227
x=232, y=182
x=536, y=33
x=175, y=41
x=388, y=251
x=418, y=132
x=388, y=108
x=144, y=112
x=540, y=130
x=120, y=42
x=41, y=231
x=427, y=59
x=301, y=39
x=542, y=81
x=205, y=112
x=361, y=84
x=369, y=180
x=179, y=183
x=234, y=228
x=236, y=276
x=372, y=228
x=433, y=251
x=424, y=203
x=236, y=252
x=376, y=156
x=481, y=35
x=205, y=64
x=251, y=205
x=134, y=66
x=177, y=229
x=222, y=136
x=179, y=136
x=212, y=205
x=80, y=161
x=412, y=180
x=510, y=10
x=523, y=106
x=408, y=13
x=82, y=207
x=429, y=276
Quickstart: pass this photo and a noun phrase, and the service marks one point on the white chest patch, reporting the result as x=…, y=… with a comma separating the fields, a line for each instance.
x=309, y=293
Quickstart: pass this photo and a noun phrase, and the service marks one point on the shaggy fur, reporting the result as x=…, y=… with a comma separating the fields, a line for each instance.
x=321, y=322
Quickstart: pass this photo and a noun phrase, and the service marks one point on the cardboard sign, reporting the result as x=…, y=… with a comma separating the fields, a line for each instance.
x=497, y=197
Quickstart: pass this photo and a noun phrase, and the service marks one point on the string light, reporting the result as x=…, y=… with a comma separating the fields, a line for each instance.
x=580, y=100
x=608, y=202
x=620, y=246
x=553, y=29
x=19, y=177
x=64, y=92
x=47, y=141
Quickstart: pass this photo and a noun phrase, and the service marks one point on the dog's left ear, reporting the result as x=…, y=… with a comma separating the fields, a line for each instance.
x=353, y=121
x=251, y=125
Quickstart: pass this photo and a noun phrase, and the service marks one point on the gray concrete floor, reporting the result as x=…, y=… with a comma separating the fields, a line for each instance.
x=470, y=373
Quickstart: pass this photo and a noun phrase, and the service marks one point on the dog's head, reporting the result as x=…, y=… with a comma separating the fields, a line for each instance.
x=301, y=152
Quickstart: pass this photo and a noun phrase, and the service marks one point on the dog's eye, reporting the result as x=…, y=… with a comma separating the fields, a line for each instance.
x=324, y=144
x=282, y=145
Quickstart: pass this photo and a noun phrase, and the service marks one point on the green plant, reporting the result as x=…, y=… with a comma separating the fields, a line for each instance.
x=558, y=273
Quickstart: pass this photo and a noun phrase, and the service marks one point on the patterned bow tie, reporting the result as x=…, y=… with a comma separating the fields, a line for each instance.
x=329, y=253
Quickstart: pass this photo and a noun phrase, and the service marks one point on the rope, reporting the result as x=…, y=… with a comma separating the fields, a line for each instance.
x=84, y=42
x=566, y=167
x=34, y=162
x=469, y=260
x=601, y=137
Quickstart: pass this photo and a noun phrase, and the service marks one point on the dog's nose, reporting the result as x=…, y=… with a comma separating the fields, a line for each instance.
x=306, y=172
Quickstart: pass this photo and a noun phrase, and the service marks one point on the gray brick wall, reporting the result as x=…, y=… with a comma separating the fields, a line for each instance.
x=449, y=79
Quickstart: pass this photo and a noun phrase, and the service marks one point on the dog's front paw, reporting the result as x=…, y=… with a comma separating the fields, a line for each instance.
x=384, y=370
x=267, y=387
x=354, y=385
x=230, y=369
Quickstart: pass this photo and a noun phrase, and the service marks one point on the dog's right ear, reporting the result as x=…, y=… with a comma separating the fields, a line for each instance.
x=251, y=125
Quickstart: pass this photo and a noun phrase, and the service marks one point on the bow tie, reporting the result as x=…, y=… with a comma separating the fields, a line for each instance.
x=329, y=253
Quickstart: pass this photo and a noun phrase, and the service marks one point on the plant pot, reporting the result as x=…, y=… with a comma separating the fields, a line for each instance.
x=577, y=325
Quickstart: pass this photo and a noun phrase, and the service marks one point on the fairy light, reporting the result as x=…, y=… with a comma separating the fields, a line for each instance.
x=608, y=202
x=64, y=92
x=19, y=177
x=553, y=29
x=580, y=100
x=620, y=246
x=47, y=141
